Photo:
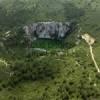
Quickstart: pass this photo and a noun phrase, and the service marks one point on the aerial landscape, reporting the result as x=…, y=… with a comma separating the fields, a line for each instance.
x=49, y=49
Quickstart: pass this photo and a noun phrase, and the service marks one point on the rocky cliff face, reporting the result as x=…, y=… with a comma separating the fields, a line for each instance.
x=47, y=30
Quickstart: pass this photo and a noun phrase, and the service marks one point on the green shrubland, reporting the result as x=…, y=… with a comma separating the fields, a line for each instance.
x=65, y=71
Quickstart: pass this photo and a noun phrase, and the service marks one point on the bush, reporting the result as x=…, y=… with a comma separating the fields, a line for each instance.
x=83, y=91
x=32, y=70
x=72, y=12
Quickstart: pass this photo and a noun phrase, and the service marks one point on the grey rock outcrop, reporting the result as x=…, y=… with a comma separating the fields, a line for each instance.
x=47, y=30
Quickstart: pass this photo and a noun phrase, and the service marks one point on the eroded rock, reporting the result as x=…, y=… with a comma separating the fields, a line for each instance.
x=47, y=30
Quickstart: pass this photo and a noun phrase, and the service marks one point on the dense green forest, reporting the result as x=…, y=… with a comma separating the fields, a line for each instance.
x=65, y=71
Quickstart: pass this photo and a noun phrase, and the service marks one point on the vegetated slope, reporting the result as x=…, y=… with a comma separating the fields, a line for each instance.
x=59, y=74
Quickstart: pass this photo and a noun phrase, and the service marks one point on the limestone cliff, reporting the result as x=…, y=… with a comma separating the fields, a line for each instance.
x=47, y=30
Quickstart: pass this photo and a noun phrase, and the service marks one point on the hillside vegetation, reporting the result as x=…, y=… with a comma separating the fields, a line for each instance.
x=65, y=71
